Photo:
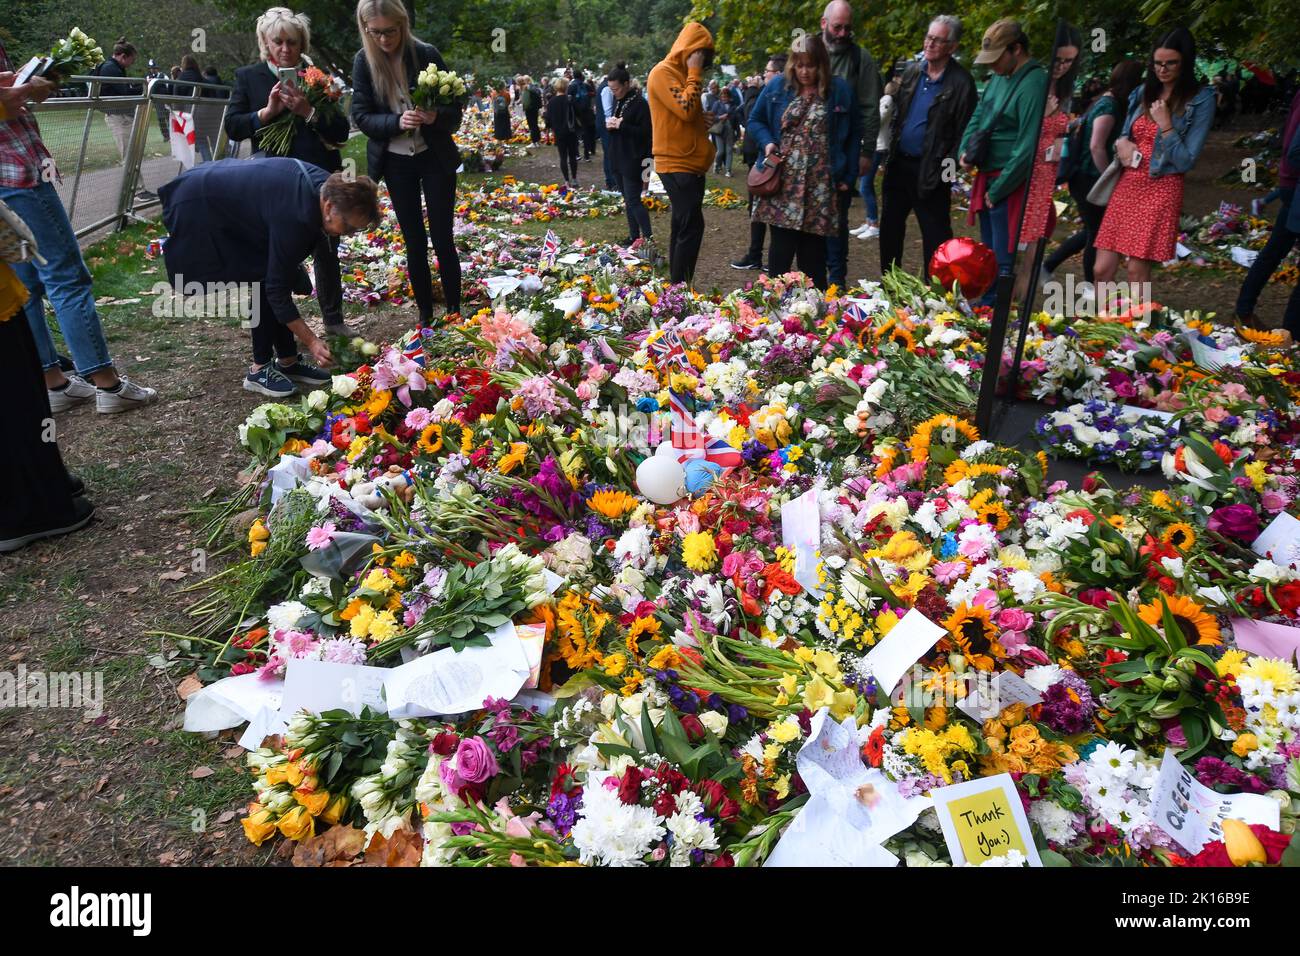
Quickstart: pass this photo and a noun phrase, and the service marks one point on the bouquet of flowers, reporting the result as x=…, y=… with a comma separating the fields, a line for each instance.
x=323, y=94
x=1099, y=431
x=435, y=88
x=74, y=54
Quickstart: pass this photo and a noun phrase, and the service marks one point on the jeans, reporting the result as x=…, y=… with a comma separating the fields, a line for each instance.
x=407, y=177
x=837, y=243
x=64, y=280
x=809, y=247
x=867, y=187
x=638, y=216
x=686, y=194
x=567, y=144
x=1280, y=242
x=900, y=194
x=723, y=144
x=995, y=233
x=611, y=179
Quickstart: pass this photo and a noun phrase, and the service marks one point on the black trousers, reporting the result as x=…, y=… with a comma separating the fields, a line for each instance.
x=534, y=132
x=900, y=195
x=271, y=338
x=35, y=491
x=686, y=194
x=329, y=283
x=587, y=129
x=407, y=177
x=1280, y=242
x=1090, y=215
x=567, y=144
x=757, y=231
x=638, y=216
x=810, y=248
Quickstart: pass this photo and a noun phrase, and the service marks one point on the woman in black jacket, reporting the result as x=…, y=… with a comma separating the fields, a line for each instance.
x=259, y=97
x=563, y=125
x=629, y=146
x=411, y=150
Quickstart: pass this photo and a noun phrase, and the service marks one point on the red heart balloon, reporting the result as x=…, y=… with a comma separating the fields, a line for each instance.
x=968, y=262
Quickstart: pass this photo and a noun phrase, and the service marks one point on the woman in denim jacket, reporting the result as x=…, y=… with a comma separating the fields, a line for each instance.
x=1168, y=120
x=811, y=120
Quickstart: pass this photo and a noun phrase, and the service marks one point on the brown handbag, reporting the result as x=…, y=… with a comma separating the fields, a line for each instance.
x=764, y=177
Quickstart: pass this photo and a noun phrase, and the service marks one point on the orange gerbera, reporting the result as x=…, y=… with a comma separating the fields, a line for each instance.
x=611, y=503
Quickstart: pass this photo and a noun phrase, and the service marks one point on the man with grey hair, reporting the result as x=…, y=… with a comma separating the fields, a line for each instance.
x=936, y=98
x=855, y=66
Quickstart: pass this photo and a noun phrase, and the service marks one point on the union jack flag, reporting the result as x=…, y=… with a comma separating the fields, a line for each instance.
x=550, y=245
x=669, y=348
x=855, y=313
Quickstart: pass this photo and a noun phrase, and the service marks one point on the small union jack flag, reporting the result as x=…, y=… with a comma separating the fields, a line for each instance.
x=550, y=245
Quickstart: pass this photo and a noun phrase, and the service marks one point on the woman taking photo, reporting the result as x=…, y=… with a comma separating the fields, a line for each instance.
x=810, y=122
x=409, y=149
x=283, y=38
x=1169, y=117
x=629, y=146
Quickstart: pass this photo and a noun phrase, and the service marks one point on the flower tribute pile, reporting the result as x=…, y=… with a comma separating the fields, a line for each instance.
x=594, y=652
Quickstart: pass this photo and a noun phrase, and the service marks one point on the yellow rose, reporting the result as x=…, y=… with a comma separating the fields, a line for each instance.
x=259, y=824
x=333, y=812
x=1245, y=744
x=297, y=824
x=1241, y=843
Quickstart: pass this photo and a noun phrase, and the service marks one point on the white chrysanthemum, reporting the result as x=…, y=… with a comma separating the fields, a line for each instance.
x=1058, y=824
x=286, y=615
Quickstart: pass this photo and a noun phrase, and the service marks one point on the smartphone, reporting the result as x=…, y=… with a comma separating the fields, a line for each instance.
x=288, y=75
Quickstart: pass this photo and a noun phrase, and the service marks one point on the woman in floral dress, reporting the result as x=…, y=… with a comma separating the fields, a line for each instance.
x=807, y=120
x=1169, y=118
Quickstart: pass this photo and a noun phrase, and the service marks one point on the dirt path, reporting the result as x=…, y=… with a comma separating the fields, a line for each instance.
x=128, y=786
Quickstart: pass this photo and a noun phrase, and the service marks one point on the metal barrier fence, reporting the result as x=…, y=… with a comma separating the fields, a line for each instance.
x=112, y=146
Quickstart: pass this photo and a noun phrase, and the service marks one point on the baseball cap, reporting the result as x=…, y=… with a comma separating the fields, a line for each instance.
x=997, y=38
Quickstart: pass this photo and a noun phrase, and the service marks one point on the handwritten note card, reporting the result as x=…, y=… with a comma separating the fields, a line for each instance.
x=982, y=819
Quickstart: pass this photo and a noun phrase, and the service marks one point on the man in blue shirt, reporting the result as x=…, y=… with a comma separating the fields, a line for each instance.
x=936, y=98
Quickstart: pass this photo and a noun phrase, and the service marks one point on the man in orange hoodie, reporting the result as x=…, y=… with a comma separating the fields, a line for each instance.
x=680, y=141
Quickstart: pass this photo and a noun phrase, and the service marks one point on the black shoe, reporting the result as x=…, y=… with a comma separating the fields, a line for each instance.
x=304, y=373
x=269, y=382
x=76, y=484
x=339, y=328
x=748, y=262
x=82, y=512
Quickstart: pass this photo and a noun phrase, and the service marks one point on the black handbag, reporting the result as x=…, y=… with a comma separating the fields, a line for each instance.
x=977, y=147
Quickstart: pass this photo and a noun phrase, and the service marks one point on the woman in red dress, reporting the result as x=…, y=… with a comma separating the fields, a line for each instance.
x=1169, y=118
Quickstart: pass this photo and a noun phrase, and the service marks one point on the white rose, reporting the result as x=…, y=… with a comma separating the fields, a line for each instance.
x=715, y=722
x=318, y=400
x=344, y=385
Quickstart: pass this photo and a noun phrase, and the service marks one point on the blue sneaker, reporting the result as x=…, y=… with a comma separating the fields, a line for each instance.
x=304, y=373
x=268, y=381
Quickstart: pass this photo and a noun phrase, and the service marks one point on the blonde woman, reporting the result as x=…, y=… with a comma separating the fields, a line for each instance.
x=283, y=39
x=411, y=150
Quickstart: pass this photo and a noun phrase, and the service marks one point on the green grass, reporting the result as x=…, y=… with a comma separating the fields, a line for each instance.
x=168, y=765
x=63, y=131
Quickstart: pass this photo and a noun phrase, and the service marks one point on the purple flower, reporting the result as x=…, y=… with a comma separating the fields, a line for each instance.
x=475, y=761
x=1235, y=521
x=506, y=737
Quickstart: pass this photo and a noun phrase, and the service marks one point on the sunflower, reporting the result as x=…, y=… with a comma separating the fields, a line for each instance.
x=431, y=439
x=948, y=426
x=1179, y=535
x=903, y=337
x=1261, y=337
x=973, y=633
x=1192, y=619
x=611, y=503
x=990, y=511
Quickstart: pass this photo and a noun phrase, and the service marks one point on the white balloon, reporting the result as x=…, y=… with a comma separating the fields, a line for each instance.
x=661, y=477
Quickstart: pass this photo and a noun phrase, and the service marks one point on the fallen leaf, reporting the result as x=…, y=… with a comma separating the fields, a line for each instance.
x=403, y=848
x=226, y=817
x=172, y=575
x=198, y=773
x=190, y=686
x=100, y=784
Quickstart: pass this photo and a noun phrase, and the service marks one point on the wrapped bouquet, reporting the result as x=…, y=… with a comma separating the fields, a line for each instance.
x=323, y=94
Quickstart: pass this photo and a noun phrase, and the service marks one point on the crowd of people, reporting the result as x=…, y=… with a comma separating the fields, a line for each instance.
x=818, y=126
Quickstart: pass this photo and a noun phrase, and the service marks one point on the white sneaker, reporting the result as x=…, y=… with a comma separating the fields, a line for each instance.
x=869, y=232
x=126, y=398
x=860, y=230
x=1256, y=207
x=78, y=392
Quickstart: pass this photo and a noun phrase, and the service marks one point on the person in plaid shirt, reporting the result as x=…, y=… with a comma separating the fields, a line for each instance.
x=27, y=174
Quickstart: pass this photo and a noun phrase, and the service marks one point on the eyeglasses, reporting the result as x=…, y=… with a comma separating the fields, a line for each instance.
x=1167, y=64
x=937, y=41
x=383, y=34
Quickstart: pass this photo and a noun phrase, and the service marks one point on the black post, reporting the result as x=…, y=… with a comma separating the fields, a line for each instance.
x=1026, y=310
x=993, y=355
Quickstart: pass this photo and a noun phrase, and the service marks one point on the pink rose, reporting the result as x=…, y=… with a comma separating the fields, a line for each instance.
x=1014, y=619
x=1215, y=414
x=475, y=761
